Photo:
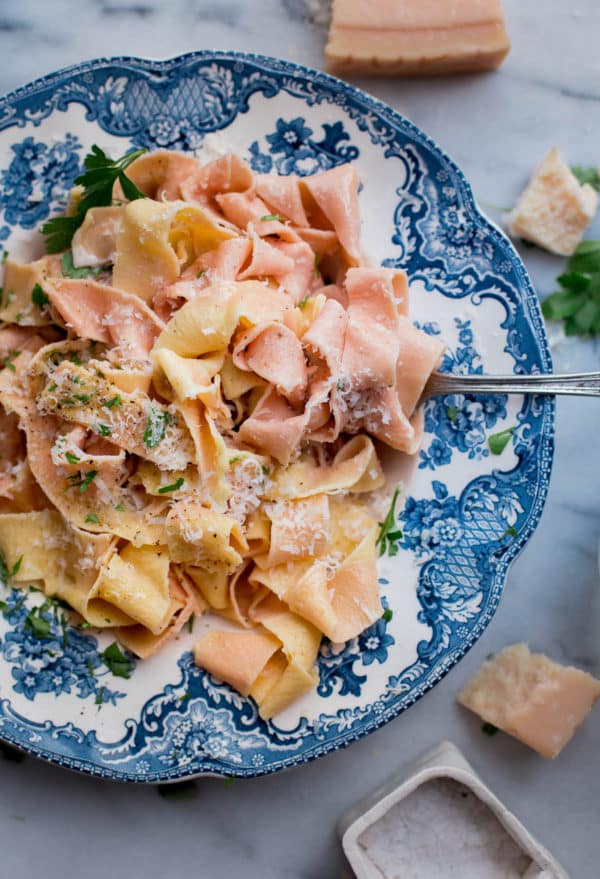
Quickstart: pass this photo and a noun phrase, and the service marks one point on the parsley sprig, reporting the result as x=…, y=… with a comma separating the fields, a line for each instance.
x=577, y=303
x=389, y=533
x=587, y=175
x=98, y=180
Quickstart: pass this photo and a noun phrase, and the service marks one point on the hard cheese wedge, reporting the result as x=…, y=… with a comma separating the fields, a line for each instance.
x=555, y=209
x=413, y=37
x=532, y=698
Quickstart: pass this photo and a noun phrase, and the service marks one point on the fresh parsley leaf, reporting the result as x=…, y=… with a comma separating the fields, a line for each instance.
x=577, y=303
x=499, y=441
x=82, y=481
x=5, y=574
x=587, y=175
x=115, y=401
x=389, y=534
x=489, y=729
x=38, y=625
x=71, y=458
x=69, y=270
x=116, y=661
x=268, y=217
x=92, y=518
x=387, y=615
x=156, y=427
x=182, y=790
x=38, y=297
x=175, y=486
x=98, y=181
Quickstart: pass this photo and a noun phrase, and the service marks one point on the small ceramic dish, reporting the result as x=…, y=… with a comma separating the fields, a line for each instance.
x=443, y=763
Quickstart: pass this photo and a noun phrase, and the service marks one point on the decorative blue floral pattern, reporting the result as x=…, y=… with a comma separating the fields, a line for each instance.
x=63, y=660
x=37, y=179
x=463, y=541
x=460, y=421
x=297, y=152
x=337, y=661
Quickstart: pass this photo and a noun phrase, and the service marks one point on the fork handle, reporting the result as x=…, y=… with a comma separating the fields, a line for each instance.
x=584, y=384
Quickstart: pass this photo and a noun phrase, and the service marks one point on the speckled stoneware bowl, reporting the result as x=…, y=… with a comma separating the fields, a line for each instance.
x=464, y=514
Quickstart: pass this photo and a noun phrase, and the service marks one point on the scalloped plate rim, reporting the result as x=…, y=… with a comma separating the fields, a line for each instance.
x=527, y=294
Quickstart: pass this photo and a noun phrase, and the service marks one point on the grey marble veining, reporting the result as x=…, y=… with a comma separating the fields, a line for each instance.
x=497, y=127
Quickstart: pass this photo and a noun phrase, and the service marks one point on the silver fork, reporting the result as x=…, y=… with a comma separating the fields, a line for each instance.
x=583, y=384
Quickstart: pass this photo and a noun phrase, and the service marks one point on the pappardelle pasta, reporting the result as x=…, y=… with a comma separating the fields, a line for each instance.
x=193, y=392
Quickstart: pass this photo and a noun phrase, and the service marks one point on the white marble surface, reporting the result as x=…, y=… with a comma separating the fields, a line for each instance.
x=496, y=126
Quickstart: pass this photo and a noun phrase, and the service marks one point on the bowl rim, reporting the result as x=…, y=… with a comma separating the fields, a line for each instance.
x=527, y=295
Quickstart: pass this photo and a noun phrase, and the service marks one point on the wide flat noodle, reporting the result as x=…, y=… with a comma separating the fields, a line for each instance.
x=204, y=437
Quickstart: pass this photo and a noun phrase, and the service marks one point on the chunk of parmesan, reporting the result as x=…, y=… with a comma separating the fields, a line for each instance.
x=416, y=37
x=555, y=209
x=532, y=698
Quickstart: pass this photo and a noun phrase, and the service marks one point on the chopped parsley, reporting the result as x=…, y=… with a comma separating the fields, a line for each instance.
x=510, y=532
x=8, y=361
x=499, y=441
x=201, y=273
x=5, y=574
x=266, y=470
x=82, y=398
x=452, y=413
x=5, y=256
x=103, y=429
x=317, y=269
x=268, y=217
x=158, y=419
x=587, y=175
x=303, y=302
x=389, y=533
x=69, y=270
x=577, y=303
x=71, y=458
x=175, y=486
x=99, y=700
x=489, y=729
x=37, y=624
x=116, y=661
x=98, y=180
x=82, y=481
x=115, y=401
x=387, y=615
x=235, y=459
x=38, y=297
x=120, y=508
x=92, y=518
x=190, y=624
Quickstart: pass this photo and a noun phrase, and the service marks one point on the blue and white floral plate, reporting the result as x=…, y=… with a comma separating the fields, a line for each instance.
x=464, y=514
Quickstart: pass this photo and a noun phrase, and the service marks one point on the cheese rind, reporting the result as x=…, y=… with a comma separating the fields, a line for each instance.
x=555, y=209
x=532, y=698
x=416, y=36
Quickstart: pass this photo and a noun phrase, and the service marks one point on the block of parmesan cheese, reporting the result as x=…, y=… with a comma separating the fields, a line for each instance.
x=414, y=37
x=555, y=209
x=532, y=698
